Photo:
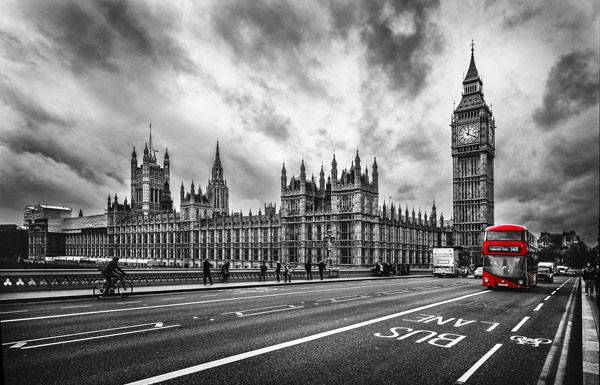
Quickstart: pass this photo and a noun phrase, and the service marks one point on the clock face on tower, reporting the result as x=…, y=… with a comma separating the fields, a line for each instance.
x=468, y=133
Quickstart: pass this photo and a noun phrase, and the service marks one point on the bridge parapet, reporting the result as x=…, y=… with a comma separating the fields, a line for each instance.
x=57, y=279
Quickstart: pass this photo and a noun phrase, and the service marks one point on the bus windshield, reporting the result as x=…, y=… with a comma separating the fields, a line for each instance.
x=503, y=266
x=504, y=235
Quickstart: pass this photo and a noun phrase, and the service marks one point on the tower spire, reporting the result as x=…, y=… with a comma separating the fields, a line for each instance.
x=472, y=73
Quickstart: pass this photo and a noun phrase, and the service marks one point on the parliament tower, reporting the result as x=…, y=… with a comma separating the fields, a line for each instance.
x=473, y=152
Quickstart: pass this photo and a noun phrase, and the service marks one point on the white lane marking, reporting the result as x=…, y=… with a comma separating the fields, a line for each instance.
x=518, y=326
x=268, y=349
x=553, y=292
x=127, y=303
x=547, y=298
x=181, y=304
x=474, y=368
x=344, y=299
x=75, y=307
x=79, y=334
x=98, y=337
x=257, y=309
x=538, y=307
x=173, y=298
x=290, y=307
x=14, y=311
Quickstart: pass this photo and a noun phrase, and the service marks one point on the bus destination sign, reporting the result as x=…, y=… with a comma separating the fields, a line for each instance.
x=504, y=249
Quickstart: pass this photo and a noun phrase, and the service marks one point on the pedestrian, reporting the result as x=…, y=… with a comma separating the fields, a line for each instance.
x=589, y=276
x=597, y=280
x=321, y=268
x=287, y=273
x=308, y=268
x=206, y=265
x=277, y=270
x=225, y=271
x=377, y=268
x=263, y=272
x=408, y=269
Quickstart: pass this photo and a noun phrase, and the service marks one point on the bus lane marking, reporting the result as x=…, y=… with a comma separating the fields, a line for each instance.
x=535, y=342
x=283, y=345
x=477, y=365
x=518, y=326
x=538, y=307
x=426, y=318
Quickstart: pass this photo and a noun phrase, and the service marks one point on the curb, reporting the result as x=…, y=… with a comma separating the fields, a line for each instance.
x=589, y=340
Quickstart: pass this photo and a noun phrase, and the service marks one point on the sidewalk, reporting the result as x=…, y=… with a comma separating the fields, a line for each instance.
x=589, y=338
x=52, y=295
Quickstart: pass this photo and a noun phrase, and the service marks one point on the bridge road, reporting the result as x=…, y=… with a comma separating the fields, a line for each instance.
x=418, y=331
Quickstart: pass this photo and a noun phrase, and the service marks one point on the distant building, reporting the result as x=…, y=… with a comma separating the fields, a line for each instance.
x=13, y=241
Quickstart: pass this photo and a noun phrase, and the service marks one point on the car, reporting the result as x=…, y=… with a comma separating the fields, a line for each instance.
x=545, y=274
x=573, y=272
x=478, y=273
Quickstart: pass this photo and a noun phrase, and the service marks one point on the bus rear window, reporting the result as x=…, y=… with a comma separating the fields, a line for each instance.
x=504, y=235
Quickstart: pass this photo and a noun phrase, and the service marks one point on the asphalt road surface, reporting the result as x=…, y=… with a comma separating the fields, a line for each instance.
x=396, y=331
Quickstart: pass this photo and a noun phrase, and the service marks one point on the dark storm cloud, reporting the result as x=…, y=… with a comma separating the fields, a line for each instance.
x=28, y=108
x=572, y=86
x=416, y=148
x=97, y=34
x=259, y=115
x=49, y=145
x=563, y=193
x=269, y=35
x=399, y=39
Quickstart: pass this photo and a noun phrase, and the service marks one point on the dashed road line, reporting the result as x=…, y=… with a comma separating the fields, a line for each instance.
x=538, y=307
x=518, y=326
x=477, y=365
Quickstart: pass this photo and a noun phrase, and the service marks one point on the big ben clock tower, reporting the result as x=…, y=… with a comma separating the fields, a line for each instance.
x=473, y=152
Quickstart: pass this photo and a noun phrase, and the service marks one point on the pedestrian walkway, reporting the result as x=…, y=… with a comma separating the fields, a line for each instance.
x=589, y=338
x=50, y=295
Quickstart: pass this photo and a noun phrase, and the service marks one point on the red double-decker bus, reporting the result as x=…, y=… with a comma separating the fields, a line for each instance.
x=509, y=257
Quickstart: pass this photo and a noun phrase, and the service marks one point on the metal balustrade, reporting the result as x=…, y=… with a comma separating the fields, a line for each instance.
x=45, y=279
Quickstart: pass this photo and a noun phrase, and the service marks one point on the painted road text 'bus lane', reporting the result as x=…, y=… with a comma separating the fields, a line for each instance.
x=422, y=332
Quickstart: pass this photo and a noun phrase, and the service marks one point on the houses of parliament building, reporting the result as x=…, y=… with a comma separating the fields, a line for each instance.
x=337, y=218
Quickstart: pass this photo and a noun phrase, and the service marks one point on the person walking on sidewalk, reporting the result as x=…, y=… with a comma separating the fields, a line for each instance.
x=263, y=272
x=225, y=271
x=321, y=268
x=277, y=270
x=308, y=268
x=287, y=273
x=206, y=265
x=589, y=276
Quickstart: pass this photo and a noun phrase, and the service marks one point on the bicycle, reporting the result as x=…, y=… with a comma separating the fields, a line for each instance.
x=122, y=287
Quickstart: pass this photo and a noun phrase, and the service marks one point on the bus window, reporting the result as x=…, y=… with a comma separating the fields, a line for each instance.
x=502, y=266
x=504, y=235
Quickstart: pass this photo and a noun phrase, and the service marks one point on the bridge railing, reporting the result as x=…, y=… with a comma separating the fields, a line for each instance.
x=44, y=279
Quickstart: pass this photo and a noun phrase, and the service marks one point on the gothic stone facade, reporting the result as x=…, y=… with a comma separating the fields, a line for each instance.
x=339, y=220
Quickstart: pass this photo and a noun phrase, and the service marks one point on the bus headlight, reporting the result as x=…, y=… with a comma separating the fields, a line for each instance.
x=521, y=282
x=486, y=280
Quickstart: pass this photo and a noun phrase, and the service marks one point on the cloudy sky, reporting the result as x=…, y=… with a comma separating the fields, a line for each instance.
x=275, y=81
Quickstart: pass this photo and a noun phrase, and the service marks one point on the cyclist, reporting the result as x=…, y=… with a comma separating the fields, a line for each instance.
x=109, y=273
